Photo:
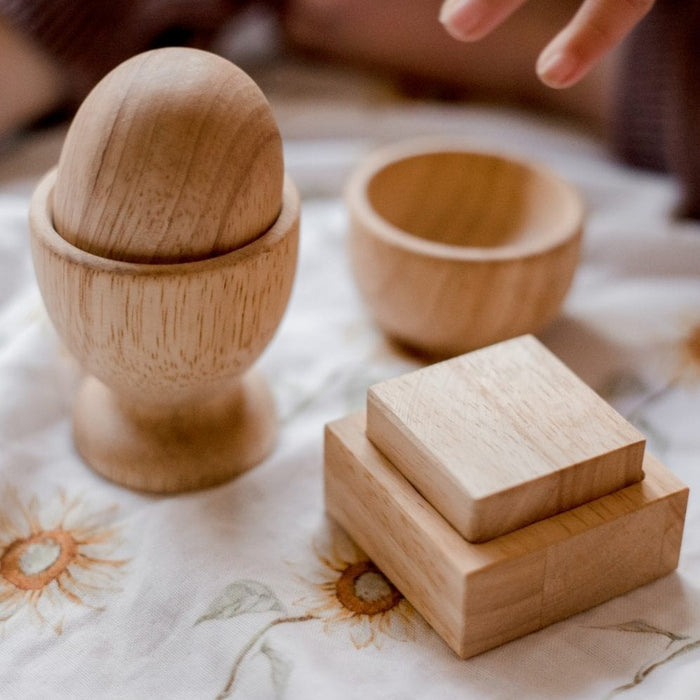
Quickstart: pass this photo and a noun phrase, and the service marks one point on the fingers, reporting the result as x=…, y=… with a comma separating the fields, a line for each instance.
x=470, y=20
x=597, y=27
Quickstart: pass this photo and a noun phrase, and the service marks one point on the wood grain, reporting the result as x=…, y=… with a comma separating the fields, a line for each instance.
x=478, y=596
x=453, y=249
x=501, y=437
x=172, y=342
x=166, y=448
x=174, y=156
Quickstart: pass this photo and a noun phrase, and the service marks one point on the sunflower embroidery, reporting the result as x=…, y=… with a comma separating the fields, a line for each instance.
x=653, y=332
x=685, y=351
x=53, y=559
x=349, y=591
x=656, y=325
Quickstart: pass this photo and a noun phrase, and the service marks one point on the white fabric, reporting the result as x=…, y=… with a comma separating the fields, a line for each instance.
x=164, y=597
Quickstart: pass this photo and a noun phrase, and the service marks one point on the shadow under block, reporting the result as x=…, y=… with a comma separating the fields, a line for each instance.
x=502, y=437
x=478, y=596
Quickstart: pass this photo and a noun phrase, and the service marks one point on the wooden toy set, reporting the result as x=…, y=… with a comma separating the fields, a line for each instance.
x=500, y=494
x=496, y=490
x=165, y=247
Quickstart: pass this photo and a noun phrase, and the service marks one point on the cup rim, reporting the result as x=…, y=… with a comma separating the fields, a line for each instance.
x=43, y=229
x=358, y=202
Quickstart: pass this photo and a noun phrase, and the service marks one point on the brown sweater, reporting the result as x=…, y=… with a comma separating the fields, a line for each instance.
x=657, y=117
x=90, y=37
x=656, y=123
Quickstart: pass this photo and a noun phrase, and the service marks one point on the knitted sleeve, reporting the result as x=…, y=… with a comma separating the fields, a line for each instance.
x=89, y=37
x=655, y=123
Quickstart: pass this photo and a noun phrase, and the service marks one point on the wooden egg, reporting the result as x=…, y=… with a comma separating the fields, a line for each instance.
x=165, y=248
x=453, y=250
x=174, y=156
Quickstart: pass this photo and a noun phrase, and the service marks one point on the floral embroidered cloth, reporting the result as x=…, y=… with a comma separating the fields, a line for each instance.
x=248, y=590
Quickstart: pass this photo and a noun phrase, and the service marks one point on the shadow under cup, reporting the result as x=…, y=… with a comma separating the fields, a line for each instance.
x=454, y=249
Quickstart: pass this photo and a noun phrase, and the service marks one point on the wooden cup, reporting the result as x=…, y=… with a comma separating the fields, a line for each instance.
x=169, y=403
x=453, y=249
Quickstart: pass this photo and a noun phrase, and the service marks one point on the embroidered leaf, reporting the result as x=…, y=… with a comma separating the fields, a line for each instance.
x=280, y=668
x=643, y=627
x=644, y=672
x=242, y=597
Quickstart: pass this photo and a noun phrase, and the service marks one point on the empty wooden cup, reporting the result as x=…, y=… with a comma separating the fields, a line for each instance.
x=165, y=247
x=454, y=249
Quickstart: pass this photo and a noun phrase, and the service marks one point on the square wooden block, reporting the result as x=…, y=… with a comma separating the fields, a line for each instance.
x=477, y=596
x=502, y=437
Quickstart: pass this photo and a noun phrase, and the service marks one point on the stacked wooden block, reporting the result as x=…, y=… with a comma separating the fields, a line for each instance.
x=500, y=494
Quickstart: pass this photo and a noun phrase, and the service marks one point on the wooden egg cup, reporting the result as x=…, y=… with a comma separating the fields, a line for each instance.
x=169, y=403
x=454, y=249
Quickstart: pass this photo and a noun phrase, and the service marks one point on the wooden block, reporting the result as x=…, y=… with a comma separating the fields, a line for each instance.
x=478, y=596
x=502, y=437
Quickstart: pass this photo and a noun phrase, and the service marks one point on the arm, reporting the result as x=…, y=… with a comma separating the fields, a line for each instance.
x=595, y=29
x=404, y=38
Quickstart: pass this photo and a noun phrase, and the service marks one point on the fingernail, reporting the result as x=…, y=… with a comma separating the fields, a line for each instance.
x=448, y=7
x=557, y=68
x=460, y=18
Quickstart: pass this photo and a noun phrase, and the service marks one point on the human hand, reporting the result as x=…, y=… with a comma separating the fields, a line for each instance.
x=595, y=29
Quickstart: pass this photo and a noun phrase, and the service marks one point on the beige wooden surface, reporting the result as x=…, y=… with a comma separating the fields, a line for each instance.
x=453, y=249
x=171, y=343
x=501, y=437
x=478, y=596
x=165, y=245
x=174, y=156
